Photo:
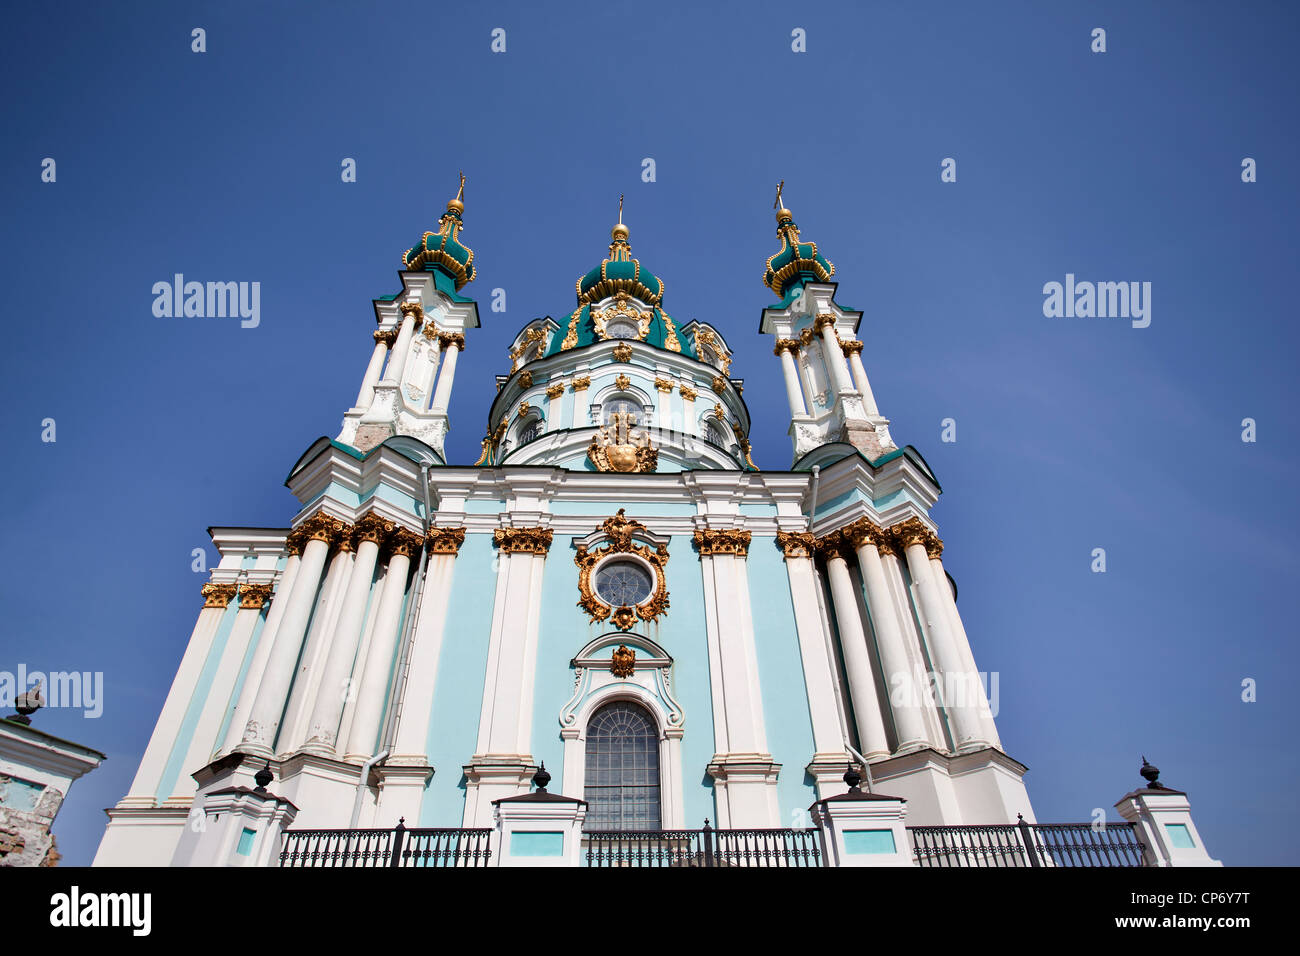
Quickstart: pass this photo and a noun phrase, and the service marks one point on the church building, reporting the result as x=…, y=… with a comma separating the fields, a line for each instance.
x=613, y=589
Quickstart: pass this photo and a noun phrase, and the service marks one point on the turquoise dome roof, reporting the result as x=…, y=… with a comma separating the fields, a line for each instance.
x=442, y=250
x=796, y=262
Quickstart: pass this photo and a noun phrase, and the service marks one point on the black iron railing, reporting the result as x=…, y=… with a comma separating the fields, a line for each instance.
x=705, y=847
x=1027, y=844
x=401, y=846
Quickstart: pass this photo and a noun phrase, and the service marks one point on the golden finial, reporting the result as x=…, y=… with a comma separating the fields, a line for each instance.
x=458, y=204
x=781, y=211
x=619, y=232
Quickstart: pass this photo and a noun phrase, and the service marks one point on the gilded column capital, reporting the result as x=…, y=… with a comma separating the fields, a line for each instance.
x=217, y=595
x=254, y=595
x=836, y=544
x=786, y=345
x=851, y=348
x=796, y=544
x=523, y=540
x=405, y=542
x=555, y=391
x=387, y=336
x=710, y=541
x=664, y=384
x=373, y=528
x=448, y=339
x=914, y=531
x=445, y=540
x=688, y=393
x=865, y=531
x=580, y=384
x=823, y=319
x=622, y=352
x=321, y=527
x=414, y=309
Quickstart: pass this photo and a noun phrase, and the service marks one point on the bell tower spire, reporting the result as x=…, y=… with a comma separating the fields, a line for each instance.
x=407, y=385
x=826, y=383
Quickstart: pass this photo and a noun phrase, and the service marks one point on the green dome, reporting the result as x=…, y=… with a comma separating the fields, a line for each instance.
x=796, y=262
x=442, y=250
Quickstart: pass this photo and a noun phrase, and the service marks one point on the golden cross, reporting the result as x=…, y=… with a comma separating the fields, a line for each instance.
x=779, y=186
x=460, y=194
x=620, y=209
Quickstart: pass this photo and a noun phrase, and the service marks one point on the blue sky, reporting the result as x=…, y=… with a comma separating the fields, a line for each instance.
x=1072, y=434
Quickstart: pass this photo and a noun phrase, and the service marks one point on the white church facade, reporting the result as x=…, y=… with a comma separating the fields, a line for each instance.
x=613, y=589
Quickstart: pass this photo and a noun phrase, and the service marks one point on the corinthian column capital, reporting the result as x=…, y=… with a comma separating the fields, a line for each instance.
x=710, y=541
x=836, y=544
x=321, y=527
x=445, y=540
x=254, y=595
x=374, y=528
x=914, y=531
x=412, y=308
x=405, y=542
x=786, y=345
x=523, y=540
x=217, y=595
x=796, y=544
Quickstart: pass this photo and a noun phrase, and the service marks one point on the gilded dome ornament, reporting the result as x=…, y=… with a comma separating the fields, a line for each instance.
x=620, y=532
x=617, y=446
x=443, y=250
x=795, y=262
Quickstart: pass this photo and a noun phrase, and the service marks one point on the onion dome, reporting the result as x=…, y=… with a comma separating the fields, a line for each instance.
x=636, y=312
x=796, y=262
x=442, y=251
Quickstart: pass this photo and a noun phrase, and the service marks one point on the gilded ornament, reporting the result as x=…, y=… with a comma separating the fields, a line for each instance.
x=413, y=309
x=555, y=391
x=622, y=382
x=824, y=319
x=523, y=409
x=688, y=394
x=523, y=540
x=851, y=348
x=835, y=545
x=405, y=543
x=254, y=595
x=806, y=337
x=580, y=384
x=387, y=336
x=623, y=662
x=914, y=531
x=664, y=384
x=217, y=595
x=445, y=540
x=622, y=352
x=449, y=339
x=526, y=380
x=620, y=532
x=719, y=412
x=618, y=446
x=796, y=544
x=786, y=345
x=710, y=541
x=373, y=528
x=321, y=527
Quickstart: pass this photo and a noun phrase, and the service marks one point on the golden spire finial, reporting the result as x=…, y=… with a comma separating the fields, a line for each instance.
x=781, y=211
x=457, y=205
x=619, y=232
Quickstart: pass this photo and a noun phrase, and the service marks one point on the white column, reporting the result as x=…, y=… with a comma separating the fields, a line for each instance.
x=907, y=696
x=264, y=718
x=963, y=645
x=402, y=348
x=149, y=773
x=836, y=367
x=431, y=369
x=374, y=369
x=860, y=377
x=372, y=693
x=448, y=373
x=955, y=678
x=335, y=686
x=501, y=764
x=793, y=392
x=829, y=758
x=265, y=641
x=315, y=650
x=857, y=661
x=417, y=705
x=204, y=742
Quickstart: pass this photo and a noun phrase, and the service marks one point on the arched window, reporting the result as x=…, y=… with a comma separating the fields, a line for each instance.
x=622, y=329
x=620, y=403
x=717, y=434
x=531, y=430
x=622, y=769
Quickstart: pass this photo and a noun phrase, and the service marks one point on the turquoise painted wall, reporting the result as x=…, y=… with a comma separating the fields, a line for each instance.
x=458, y=692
